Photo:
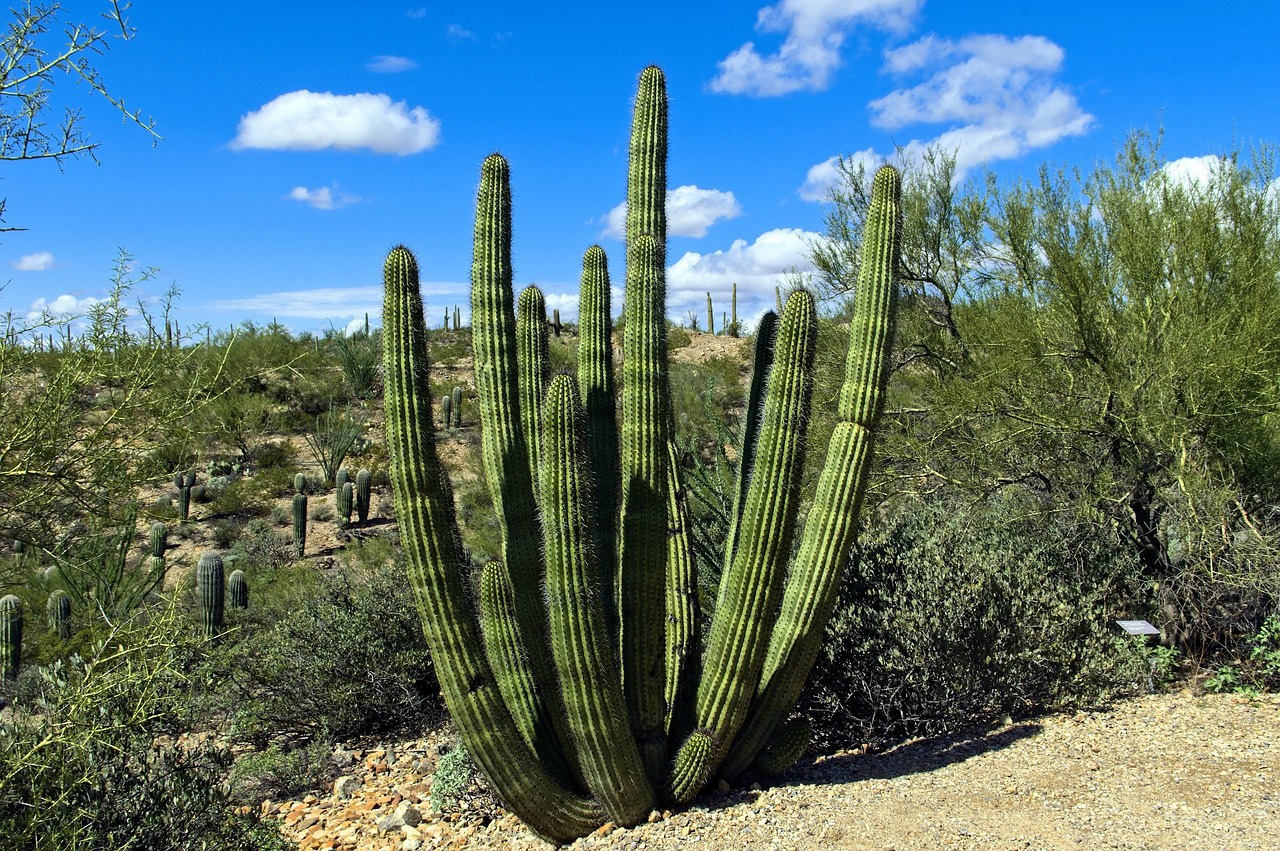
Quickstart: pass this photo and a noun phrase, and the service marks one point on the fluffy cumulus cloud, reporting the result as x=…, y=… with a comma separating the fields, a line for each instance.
x=390, y=64
x=312, y=121
x=41, y=261
x=997, y=97
x=756, y=268
x=62, y=307
x=822, y=177
x=1192, y=172
x=324, y=198
x=810, y=53
x=690, y=212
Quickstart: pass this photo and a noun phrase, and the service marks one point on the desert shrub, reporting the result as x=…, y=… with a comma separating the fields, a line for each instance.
x=455, y=772
x=235, y=498
x=321, y=512
x=951, y=615
x=345, y=659
x=274, y=455
x=1256, y=665
x=279, y=771
x=226, y=533
x=678, y=338
x=100, y=759
x=261, y=547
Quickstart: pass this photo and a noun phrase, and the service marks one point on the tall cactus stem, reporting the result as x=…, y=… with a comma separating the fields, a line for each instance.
x=364, y=495
x=299, y=525
x=10, y=636
x=212, y=592
x=532, y=355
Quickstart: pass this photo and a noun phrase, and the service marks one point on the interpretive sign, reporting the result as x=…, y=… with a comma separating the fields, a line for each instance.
x=1138, y=628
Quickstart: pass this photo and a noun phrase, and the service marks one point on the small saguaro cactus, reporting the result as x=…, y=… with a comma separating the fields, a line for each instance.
x=457, y=407
x=238, y=590
x=340, y=479
x=733, y=328
x=299, y=524
x=184, y=503
x=364, y=480
x=345, y=498
x=582, y=690
x=10, y=636
x=457, y=318
x=20, y=552
x=58, y=610
x=711, y=317
x=159, y=543
x=446, y=410
x=555, y=321
x=211, y=590
x=299, y=483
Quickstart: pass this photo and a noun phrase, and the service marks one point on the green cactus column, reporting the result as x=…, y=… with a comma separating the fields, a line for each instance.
x=457, y=407
x=299, y=524
x=711, y=317
x=364, y=494
x=595, y=382
x=593, y=700
x=238, y=590
x=425, y=511
x=814, y=581
x=211, y=590
x=159, y=543
x=10, y=636
x=532, y=355
x=446, y=411
x=58, y=611
x=645, y=433
x=752, y=587
x=344, y=500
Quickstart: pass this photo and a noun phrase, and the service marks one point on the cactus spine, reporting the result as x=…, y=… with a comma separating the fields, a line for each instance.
x=209, y=586
x=363, y=481
x=238, y=590
x=10, y=636
x=58, y=610
x=583, y=666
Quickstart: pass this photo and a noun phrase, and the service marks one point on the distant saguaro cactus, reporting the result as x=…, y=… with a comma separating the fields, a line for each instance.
x=345, y=499
x=58, y=610
x=446, y=411
x=238, y=590
x=10, y=636
x=457, y=407
x=299, y=524
x=711, y=317
x=211, y=590
x=364, y=480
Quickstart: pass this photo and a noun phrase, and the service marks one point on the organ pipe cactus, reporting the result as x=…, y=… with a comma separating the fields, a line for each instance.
x=238, y=590
x=581, y=691
x=10, y=636
x=58, y=611
x=211, y=591
x=363, y=493
x=299, y=524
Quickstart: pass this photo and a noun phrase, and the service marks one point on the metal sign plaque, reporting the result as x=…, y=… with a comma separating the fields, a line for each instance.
x=1138, y=628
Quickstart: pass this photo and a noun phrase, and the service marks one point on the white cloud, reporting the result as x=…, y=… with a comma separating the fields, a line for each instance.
x=1192, y=172
x=390, y=64
x=312, y=121
x=566, y=303
x=61, y=307
x=324, y=198
x=756, y=268
x=816, y=30
x=998, y=93
x=823, y=176
x=417, y=13
x=458, y=32
x=41, y=261
x=348, y=303
x=690, y=212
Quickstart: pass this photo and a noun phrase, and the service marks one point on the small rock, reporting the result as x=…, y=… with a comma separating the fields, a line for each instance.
x=604, y=829
x=386, y=824
x=408, y=814
x=345, y=786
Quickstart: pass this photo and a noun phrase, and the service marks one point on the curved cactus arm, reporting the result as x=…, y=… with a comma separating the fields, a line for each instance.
x=642, y=551
x=532, y=356
x=682, y=610
x=425, y=511
x=595, y=383
x=760, y=366
x=510, y=663
x=592, y=694
x=814, y=581
x=740, y=627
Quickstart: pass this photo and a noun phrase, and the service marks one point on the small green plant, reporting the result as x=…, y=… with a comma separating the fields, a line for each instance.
x=1258, y=670
x=455, y=772
x=336, y=433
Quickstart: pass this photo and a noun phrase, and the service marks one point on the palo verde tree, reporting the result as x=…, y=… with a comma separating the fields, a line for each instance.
x=1097, y=342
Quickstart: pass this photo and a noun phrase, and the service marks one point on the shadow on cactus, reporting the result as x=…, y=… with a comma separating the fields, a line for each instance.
x=583, y=691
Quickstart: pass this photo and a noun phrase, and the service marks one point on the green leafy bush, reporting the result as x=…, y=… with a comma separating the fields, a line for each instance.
x=101, y=758
x=1257, y=669
x=953, y=614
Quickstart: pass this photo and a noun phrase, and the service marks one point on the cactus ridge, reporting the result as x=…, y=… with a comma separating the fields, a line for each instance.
x=581, y=689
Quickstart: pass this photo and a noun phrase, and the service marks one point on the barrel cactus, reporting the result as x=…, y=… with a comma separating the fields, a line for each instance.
x=10, y=636
x=581, y=690
x=364, y=495
x=58, y=610
x=238, y=590
x=211, y=591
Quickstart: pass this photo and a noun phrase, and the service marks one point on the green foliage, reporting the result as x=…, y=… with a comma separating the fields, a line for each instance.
x=336, y=434
x=279, y=771
x=953, y=614
x=454, y=774
x=1107, y=337
x=1257, y=669
x=341, y=656
x=360, y=356
x=102, y=759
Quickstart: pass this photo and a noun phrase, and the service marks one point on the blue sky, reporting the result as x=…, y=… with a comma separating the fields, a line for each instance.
x=303, y=140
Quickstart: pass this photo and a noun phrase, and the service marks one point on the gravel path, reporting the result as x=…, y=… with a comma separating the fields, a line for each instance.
x=1162, y=771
